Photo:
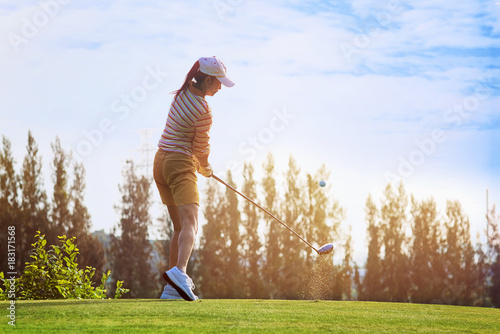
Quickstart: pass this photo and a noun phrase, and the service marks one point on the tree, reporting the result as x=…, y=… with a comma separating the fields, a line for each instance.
x=273, y=260
x=458, y=257
x=69, y=215
x=131, y=251
x=372, y=282
x=357, y=282
x=426, y=266
x=231, y=226
x=250, y=238
x=292, y=208
x=34, y=204
x=213, y=252
x=322, y=218
x=91, y=248
x=79, y=220
x=395, y=268
x=481, y=293
x=347, y=269
x=493, y=254
x=321, y=223
x=162, y=246
x=9, y=197
x=60, y=212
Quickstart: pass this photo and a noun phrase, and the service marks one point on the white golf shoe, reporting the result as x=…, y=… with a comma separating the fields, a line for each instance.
x=181, y=282
x=170, y=293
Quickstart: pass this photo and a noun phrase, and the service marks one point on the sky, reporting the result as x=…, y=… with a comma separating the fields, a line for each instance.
x=378, y=91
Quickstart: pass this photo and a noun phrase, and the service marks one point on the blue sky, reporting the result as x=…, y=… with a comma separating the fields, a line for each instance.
x=374, y=90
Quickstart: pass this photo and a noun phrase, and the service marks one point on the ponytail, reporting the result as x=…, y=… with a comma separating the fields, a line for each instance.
x=193, y=73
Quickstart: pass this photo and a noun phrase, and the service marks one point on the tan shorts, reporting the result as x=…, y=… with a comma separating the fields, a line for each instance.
x=175, y=177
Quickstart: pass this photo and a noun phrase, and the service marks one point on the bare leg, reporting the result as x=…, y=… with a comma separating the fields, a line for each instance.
x=189, y=222
x=174, y=250
x=174, y=242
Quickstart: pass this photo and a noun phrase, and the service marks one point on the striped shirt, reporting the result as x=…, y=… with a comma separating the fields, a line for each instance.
x=188, y=125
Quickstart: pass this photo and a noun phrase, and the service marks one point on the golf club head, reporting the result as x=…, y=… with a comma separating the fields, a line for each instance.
x=325, y=249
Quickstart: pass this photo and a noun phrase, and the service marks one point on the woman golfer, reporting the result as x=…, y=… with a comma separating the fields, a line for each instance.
x=183, y=150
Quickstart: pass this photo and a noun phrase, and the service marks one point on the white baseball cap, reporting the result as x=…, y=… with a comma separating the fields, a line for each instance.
x=214, y=67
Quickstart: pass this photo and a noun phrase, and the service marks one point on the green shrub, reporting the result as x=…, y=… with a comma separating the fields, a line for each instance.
x=54, y=274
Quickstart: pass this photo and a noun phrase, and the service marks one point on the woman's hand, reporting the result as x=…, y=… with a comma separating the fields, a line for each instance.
x=206, y=170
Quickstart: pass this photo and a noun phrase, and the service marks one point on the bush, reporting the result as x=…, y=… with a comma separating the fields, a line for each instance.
x=54, y=274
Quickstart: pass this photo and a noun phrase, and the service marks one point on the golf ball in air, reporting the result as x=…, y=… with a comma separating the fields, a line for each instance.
x=322, y=183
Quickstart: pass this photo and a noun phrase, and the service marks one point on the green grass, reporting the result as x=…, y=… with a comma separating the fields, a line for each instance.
x=245, y=316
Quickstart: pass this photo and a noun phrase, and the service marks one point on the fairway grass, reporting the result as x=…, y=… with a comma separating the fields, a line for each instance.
x=245, y=316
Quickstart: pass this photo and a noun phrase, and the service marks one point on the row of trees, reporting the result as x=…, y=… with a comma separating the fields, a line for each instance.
x=235, y=261
x=24, y=203
x=414, y=253
x=417, y=255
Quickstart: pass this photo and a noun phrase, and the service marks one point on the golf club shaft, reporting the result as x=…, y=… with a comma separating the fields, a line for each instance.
x=270, y=214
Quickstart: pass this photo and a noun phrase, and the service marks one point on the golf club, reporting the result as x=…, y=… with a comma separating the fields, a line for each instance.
x=325, y=249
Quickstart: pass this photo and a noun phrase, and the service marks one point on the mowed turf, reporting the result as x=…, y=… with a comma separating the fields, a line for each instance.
x=245, y=316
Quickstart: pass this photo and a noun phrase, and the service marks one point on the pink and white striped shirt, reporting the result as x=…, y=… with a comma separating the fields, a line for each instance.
x=188, y=125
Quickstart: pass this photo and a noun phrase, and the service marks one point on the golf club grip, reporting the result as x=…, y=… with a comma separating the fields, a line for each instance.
x=269, y=213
